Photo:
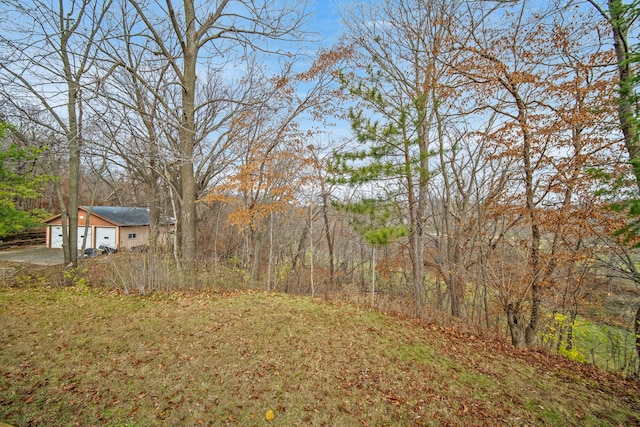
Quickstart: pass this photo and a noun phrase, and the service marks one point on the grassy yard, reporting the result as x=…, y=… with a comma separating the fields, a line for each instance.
x=83, y=357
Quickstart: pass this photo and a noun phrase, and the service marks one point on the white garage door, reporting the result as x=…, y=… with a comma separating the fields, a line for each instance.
x=106, y=236
x=56, y=236
x=81, y=231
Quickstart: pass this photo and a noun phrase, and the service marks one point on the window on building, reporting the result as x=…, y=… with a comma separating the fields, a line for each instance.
x=132, y=235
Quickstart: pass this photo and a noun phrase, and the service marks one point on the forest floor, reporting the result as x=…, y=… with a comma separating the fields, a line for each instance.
x=82, y=356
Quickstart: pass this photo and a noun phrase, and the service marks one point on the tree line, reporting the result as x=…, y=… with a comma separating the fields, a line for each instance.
x=490, y=169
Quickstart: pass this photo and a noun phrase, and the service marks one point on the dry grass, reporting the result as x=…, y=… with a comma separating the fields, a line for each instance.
x=83, y=357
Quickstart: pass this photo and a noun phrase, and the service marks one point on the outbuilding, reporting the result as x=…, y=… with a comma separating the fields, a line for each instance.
x=116, y=227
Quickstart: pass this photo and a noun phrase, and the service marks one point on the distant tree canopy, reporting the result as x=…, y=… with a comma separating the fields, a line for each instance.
x=17, y=183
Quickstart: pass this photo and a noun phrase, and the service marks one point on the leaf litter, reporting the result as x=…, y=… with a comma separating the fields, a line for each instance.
x=81, y=358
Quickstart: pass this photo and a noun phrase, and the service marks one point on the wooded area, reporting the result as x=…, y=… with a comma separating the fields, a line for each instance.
x=490, y=170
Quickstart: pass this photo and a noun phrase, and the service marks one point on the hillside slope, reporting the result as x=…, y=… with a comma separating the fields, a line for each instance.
x=80, y=357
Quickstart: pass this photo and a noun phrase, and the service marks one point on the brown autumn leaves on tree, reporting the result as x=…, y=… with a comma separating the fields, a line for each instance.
x=553, y=100
x=507, y=117
x=542, y=82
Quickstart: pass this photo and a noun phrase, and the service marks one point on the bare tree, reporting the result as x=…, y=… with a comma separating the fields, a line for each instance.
x=49, y=55
x=196, y=38
x=468, y=179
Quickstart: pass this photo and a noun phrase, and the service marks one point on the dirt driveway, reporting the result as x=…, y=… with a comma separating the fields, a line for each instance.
x=40, y=255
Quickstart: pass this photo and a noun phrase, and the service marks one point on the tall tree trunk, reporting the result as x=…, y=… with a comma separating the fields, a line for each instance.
x=570, y=331
x=302, y=246
x=312, y=254
x=256, y=240
x=70, y=239
x=534, y=263
x=270, y=260
x=416, y=248
x=153, y=176
x=187, y=140
x=329, y=238
x=417, y=208
x=534, y=255
x=154, y=208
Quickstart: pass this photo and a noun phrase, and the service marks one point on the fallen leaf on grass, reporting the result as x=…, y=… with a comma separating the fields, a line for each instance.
x=269, y=416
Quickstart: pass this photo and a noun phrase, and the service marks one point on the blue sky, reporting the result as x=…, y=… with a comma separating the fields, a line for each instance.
x=325, y=20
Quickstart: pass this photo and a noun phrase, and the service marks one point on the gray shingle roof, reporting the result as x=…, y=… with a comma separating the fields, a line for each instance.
x=124, y=216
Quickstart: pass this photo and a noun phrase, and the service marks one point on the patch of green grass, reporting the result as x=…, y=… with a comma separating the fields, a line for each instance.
x=482, y=384
x=610, y=347
x=547, y=415
x=416, y=352
x=97, y=358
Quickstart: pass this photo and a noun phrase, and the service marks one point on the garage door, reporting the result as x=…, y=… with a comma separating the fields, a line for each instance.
x=106, y=236
x=56, y=236
x=81, y=231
